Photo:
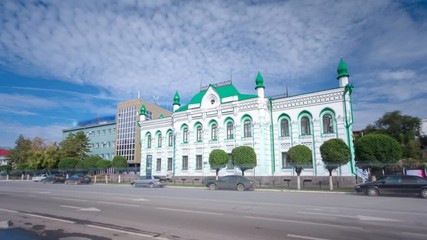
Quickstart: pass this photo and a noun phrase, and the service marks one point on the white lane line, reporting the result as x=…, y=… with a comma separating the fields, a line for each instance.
x=32, y=196
x=424, y=236
x=54, y=219
x=126, y=232
x=360, y=217
x=305, y=237
x=7, y=210
x=302, y=222
x=68, y=199
x=188, y=211
x=119, y=204
x=136, y=199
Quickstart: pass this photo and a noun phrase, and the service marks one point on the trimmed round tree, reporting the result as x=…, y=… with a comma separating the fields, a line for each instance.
x=90, y=162
x=101, y=163
x=335, y=153
x=218, y=158
x=67, y=163
x=120, y=162
x=377, y=151
x=299, y=157
x=244, y=157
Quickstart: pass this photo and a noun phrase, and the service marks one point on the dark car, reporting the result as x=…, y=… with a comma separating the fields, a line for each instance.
x=232, y=182
x=54, y=178
x=407, y=185
x=151, y=181
x=78, y=179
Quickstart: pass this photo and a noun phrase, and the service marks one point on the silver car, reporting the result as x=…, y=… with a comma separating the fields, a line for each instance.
x=151, y=182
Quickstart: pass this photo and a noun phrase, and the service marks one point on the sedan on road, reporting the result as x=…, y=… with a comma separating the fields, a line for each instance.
x=406, y=185
x=39, y=178
x=78, y=179
x=151, y=182
x=232, y=182
x=54, y=178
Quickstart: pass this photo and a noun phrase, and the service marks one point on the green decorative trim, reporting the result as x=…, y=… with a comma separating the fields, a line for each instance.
x=212, y=122
x=161, y=116
x=349, y=88
x=176, y=99
x=273, y=159
x=143, y=110
x=227, y=120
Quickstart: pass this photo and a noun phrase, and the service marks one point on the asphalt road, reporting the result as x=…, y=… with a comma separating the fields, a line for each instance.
x=58, y=211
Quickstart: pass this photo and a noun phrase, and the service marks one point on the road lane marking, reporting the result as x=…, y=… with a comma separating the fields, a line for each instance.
x=68, y=199
x=360, y=217
x=188, y=211
x=136, y=199
x=302, y=222
x=424, y=236
x=119, y=204
x=7, y=210
x=305, y=237
x=127, y=232
x=50, y=218
x=90, y=209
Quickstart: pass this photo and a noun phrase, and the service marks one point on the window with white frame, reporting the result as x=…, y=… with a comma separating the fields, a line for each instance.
x=284, y=128
x=159, y=164
x=199, y=133
x=328, y=123
x=247, y=131
x=230, y=130
x=198, y=162
x=170, y=139
x=305, y=126
x=184, y=162
x=169, y=164
x=159, y=140
x=149, y=141
x=185, y=135
x=214, y=131
x=285, y=163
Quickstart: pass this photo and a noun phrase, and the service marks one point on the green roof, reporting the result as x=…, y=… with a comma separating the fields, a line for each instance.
x=259, y=81
x=342, y=69
x=223, y=92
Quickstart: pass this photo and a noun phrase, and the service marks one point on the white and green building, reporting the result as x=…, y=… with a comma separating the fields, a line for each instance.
x=220, y=117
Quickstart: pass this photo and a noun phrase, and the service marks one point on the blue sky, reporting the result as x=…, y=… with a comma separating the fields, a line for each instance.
x=67, y=61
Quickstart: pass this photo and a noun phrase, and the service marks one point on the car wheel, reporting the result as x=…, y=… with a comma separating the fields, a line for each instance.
x=372, y=192
x=151, y=185
x=212, y=186
x=423, y=193
x=240, y=187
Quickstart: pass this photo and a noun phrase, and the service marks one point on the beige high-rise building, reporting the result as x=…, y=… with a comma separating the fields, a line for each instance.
x=127, y=132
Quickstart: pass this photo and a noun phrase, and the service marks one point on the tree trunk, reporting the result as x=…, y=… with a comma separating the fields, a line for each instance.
x=217, y=174
x=298, y=171
x=331, y=184
x=243, y=172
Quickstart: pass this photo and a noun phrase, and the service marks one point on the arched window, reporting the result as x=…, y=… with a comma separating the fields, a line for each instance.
x=305, y=126
x=284, y=128
x=214, y=131
x=199, y=133
x=149, y=141
x=247, y=132
x=185, y=135
x=170, y=139
x=159, y=140
x=230, y=130
x=328, y=123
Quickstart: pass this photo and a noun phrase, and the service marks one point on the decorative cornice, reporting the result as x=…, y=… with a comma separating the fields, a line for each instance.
x=296, y=102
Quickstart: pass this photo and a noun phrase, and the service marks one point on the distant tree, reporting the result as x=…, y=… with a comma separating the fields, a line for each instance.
x=403, y=128
x=91, y=161
x=75, y=145
x=67, y=163
x=101, y=163
x=218, y=159
x=335, y=153
x=300, y=157
x=377, y=151
x=119, y=162
x=52, y=156
x=20, y=153
x=79, y=165
x=5, y=168
x=244, y=157
x=22, y=166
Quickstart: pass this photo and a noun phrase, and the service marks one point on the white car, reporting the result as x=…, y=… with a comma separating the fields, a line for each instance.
x=39, y=178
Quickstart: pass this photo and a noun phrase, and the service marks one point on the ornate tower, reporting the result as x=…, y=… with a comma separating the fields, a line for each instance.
x=342, y=73
x=260, y=85
x=176, y=100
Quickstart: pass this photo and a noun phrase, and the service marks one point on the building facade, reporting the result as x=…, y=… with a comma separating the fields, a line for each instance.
x=220, y=117
x=128, y=135
x=101, y=138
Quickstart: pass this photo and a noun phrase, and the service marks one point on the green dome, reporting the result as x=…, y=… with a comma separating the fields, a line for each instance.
x=342, y=69
x=259, y=81
x=176, y=99
x=161, y=116
x=143, y=110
